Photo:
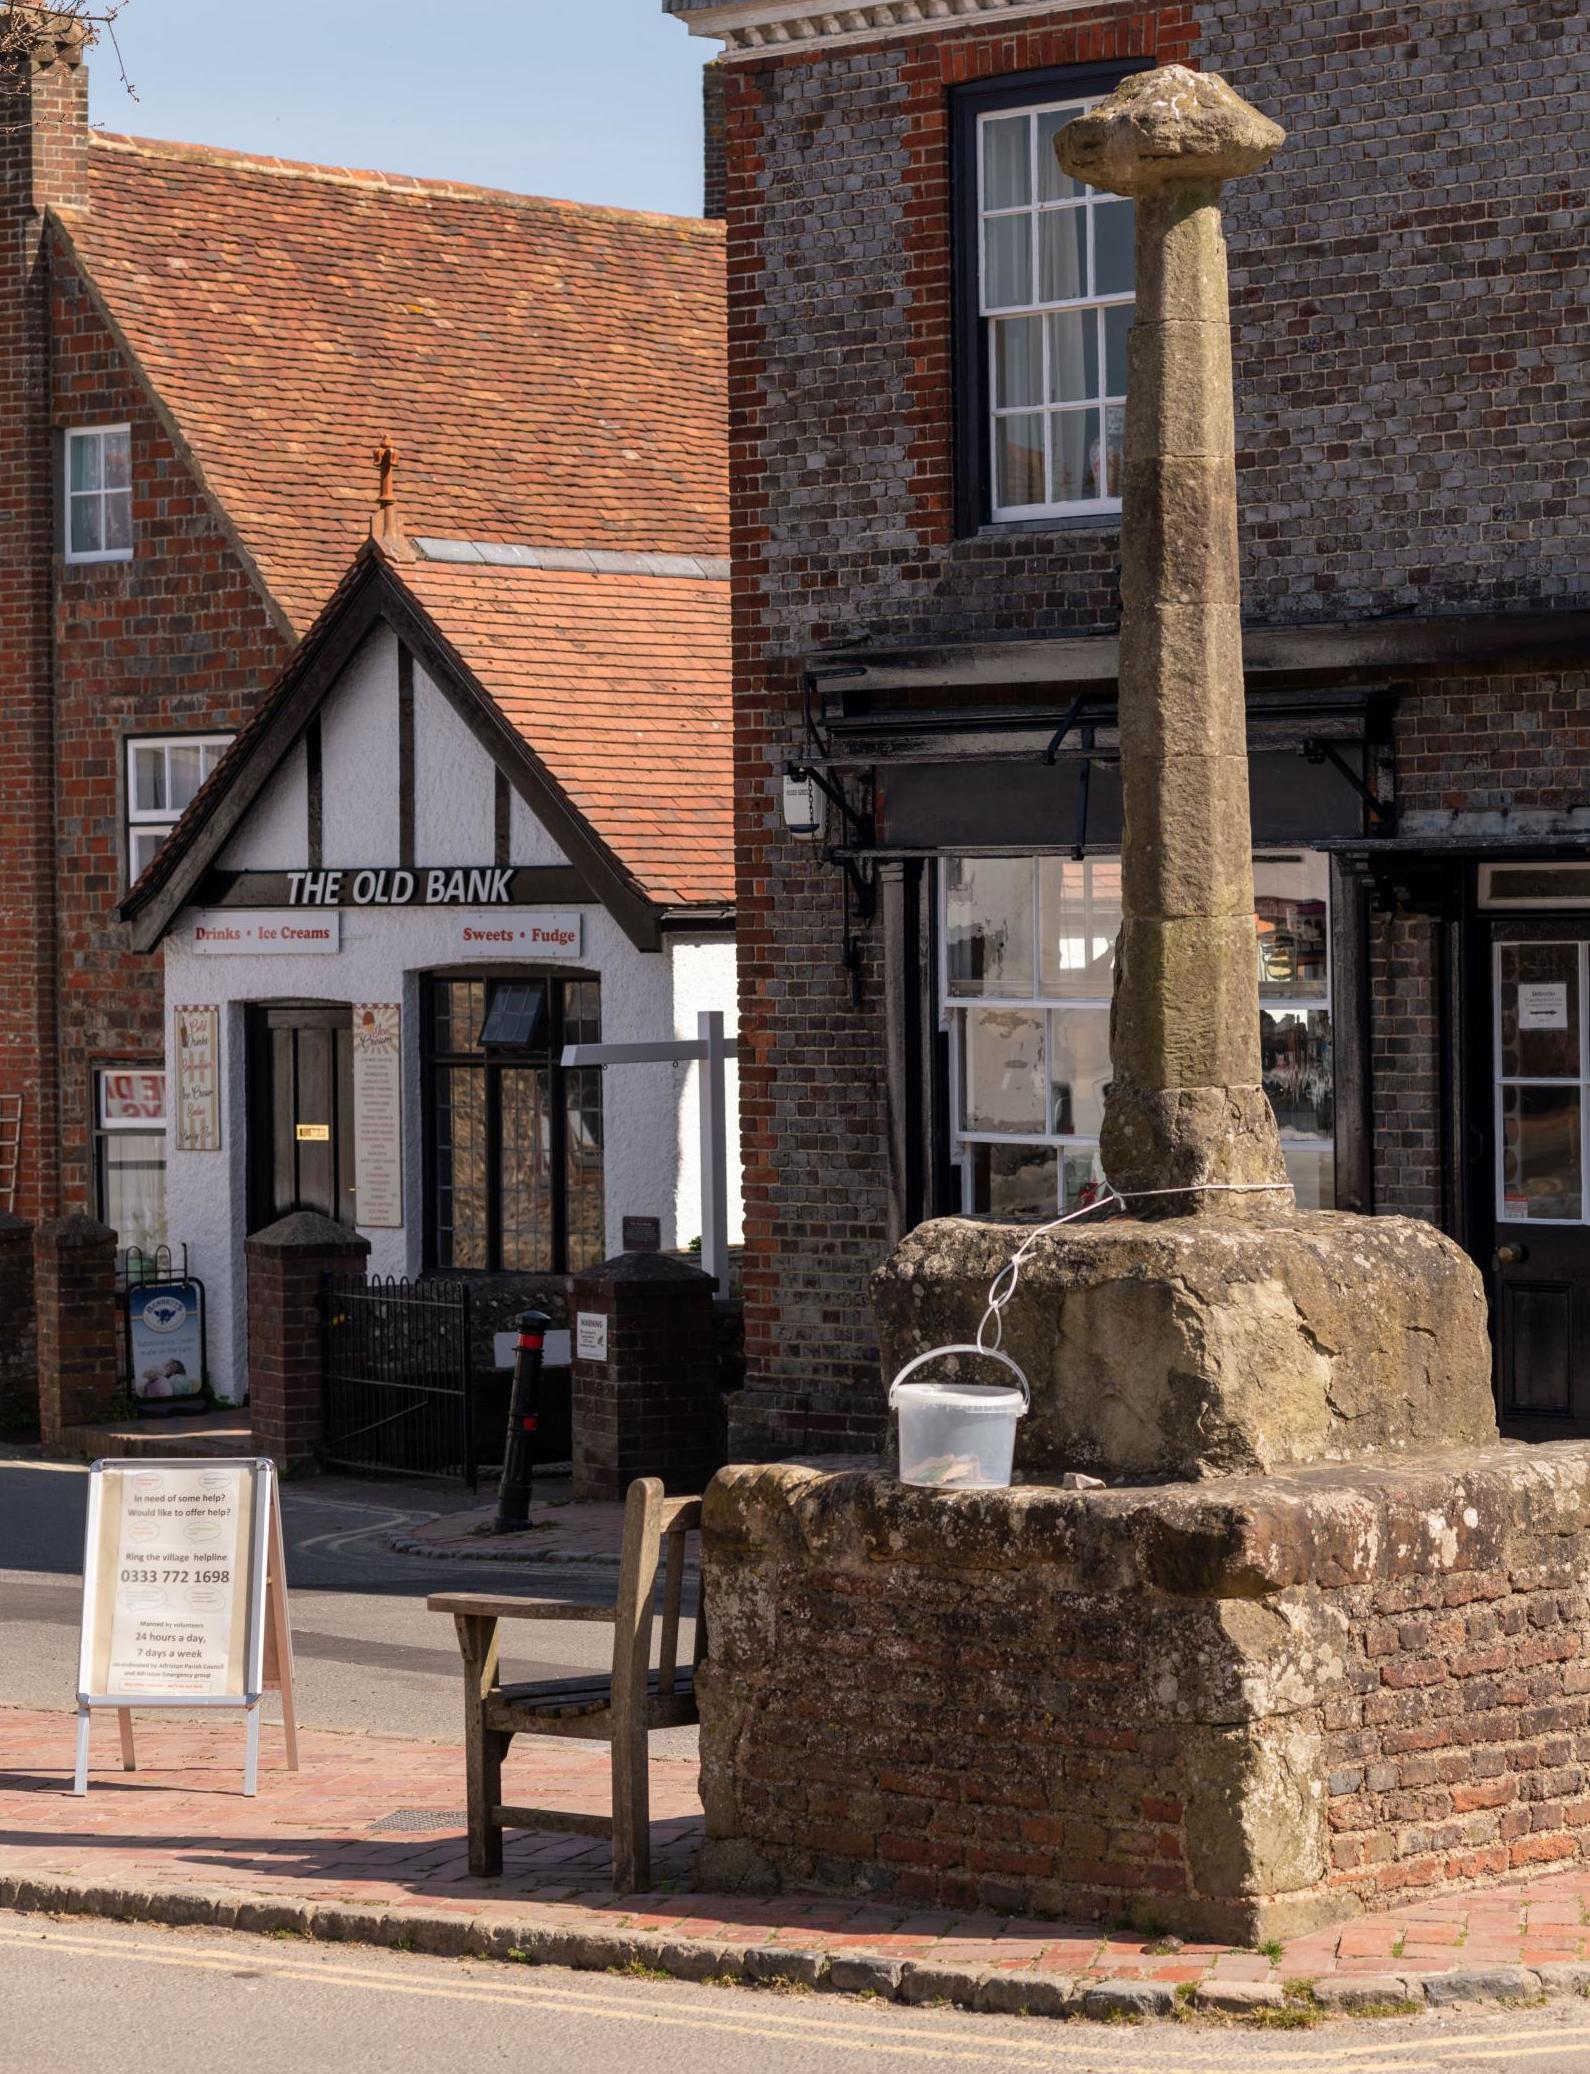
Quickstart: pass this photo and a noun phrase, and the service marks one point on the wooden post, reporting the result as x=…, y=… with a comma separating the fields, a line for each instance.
x=631, y=1672
x=483, y=1746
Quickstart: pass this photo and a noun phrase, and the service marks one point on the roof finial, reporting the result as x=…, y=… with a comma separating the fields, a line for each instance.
x=385, y=527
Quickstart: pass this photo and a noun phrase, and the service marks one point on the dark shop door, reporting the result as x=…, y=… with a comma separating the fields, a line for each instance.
x=300, y=1112
x=1534, y=1114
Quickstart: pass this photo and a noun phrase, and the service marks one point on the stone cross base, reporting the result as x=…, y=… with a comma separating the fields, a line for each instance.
x=1200, y=1347
x=1235, y=1709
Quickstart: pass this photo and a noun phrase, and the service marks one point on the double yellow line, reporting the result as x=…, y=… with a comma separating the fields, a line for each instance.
x=766, y=2019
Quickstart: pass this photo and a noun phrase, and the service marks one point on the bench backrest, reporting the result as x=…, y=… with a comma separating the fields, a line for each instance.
x=652, y=1521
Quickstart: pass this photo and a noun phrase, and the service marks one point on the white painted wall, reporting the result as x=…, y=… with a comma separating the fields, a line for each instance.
x=704, y=978
x=651, y=1160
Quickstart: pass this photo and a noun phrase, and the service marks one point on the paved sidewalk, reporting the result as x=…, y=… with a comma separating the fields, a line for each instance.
x=365, y=1844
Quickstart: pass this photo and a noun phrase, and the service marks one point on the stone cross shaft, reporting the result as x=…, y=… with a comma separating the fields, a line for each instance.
x=1187, y=1104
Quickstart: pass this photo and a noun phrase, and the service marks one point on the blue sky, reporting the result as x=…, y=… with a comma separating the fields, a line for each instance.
x=598, y=100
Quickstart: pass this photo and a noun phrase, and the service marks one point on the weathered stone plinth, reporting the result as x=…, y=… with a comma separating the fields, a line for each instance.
x=1237, y=1708
x=1203, y=1347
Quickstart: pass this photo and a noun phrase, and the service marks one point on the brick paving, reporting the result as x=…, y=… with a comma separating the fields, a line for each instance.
x=319, y=1851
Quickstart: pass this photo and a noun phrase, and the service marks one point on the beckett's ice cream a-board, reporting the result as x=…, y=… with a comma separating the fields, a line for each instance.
x=184, y=1596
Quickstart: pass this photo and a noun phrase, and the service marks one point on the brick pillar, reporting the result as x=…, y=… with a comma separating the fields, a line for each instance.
x=285, y=1264
x=43, y=161
x=74, y=1287
x=650, y=1408
x=19, y=1367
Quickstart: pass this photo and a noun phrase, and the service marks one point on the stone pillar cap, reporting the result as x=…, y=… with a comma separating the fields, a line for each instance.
x=1166, y=125
x=306, y=1231
x=644, y=1267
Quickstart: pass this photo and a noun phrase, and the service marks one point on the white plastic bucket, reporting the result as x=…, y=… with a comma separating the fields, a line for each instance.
x=958, y=1436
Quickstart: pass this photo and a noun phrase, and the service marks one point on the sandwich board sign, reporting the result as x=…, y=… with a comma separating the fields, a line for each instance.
x=184, y=1598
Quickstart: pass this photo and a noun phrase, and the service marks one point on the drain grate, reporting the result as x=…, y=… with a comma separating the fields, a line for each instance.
x=422, y=1818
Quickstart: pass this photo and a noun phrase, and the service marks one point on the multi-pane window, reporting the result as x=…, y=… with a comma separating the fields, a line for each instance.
x=515, y=1138
x=99, y=494
x=1543, y=1065
x=130, y=1154
x=1028, y=961
x=163, y=774
x=1056, y=290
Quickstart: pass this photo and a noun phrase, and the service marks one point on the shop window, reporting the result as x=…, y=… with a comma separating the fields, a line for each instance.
x=1028, y=961
x=99, y=494
x=163, y=774
x=130, y=1155
x=1045, y=284
x=513, y=1138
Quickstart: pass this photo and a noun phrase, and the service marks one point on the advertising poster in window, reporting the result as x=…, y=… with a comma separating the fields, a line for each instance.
x=198, y=1080
x=378, y=1114
x=165, y=1345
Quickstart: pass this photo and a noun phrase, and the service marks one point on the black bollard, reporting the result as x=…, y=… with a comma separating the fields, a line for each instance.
x=524, y=1407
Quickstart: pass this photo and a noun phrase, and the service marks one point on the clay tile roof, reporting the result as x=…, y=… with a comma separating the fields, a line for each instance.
x=551, y=373
x=620, y=684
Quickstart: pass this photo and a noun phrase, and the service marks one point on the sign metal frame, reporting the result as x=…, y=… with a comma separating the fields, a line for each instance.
x=268, y=1642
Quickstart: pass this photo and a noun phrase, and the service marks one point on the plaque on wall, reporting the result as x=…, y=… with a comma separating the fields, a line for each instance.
x=198, y=1079
x=378, y=1115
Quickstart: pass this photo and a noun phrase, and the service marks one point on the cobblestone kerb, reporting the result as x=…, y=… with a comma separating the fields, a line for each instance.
x=989, y=1990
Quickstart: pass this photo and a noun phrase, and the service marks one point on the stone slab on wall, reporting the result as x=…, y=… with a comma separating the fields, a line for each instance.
x=1238, y=1708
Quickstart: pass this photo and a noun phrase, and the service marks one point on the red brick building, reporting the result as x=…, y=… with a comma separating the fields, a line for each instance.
x=199, y=354
x=927, y=327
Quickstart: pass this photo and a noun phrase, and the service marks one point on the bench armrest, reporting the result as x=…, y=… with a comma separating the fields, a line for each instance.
x=483, y=1606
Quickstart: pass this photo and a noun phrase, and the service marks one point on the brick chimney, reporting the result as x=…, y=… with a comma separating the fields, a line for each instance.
x=43, y=163
x=715, y=140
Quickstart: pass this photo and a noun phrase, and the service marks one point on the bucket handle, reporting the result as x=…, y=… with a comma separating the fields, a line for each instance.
x=966, y=1347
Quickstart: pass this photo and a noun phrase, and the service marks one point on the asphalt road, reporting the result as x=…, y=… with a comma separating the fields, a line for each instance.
x=188, y=2001
x=368, y=1655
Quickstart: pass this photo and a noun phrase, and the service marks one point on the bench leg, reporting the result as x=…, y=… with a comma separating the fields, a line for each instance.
x=483, y=1747
x=631, y=1808
x=483, y=1764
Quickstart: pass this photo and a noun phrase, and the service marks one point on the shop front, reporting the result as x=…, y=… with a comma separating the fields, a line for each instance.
x=381, y=927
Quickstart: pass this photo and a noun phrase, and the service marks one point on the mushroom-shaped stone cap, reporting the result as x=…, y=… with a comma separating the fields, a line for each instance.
x=1167, y=125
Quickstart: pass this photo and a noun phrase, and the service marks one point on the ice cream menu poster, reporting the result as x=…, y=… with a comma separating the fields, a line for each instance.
x=172, y=1593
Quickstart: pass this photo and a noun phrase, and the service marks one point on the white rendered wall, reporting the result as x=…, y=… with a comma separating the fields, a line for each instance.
x=704, y=978
x=359, y=798
x=274, y=835
x=649, y=1111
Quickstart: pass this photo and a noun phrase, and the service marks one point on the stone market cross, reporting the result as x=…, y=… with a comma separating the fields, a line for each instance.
x=1187, y=1103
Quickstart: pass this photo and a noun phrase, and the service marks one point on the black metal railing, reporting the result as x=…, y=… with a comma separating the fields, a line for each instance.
x=397, y=1386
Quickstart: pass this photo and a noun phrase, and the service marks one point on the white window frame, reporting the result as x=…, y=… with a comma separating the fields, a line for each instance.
x=160, y=820
x=70, y=496
x=991, y=315
x=1045, y=1005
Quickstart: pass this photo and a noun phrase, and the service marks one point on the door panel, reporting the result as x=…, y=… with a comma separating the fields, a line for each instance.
x=1538, y=1104
x=300, y=1122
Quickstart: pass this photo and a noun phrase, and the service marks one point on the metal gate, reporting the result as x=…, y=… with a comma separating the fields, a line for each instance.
x=397, y=1383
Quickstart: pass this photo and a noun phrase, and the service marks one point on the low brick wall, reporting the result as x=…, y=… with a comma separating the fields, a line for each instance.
x=1236, y=1708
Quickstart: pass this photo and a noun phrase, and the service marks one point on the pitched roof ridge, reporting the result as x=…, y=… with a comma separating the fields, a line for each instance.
x=400, y=185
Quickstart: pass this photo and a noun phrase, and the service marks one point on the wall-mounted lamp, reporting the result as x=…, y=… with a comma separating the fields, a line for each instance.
x=805, y=807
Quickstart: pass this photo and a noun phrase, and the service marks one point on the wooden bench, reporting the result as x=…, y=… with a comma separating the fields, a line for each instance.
x=621, y=1707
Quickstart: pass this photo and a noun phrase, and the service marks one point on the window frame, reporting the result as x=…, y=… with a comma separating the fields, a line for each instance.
x=493, y=1065
x=972, y=333
x=144, y=820
x=960, y=1140
x=104, y=1132
x=87, y=557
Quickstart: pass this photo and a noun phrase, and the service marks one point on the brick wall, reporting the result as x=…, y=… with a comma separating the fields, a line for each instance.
x=43, y=158
x=1145, y=1701
x=178, y=639
x=1409, y=339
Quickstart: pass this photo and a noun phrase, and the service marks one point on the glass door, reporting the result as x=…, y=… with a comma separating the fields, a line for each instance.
x=1541, y=1262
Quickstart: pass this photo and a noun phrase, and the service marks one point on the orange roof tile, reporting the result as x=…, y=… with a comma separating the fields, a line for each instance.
x=551, y=373
x=620, y=684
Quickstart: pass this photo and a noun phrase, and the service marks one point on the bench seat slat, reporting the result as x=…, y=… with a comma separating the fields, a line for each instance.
x=566, y=1696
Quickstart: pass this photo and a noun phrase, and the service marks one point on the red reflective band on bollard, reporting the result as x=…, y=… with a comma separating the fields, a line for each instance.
x=532, y=1343
x=530, y=1423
